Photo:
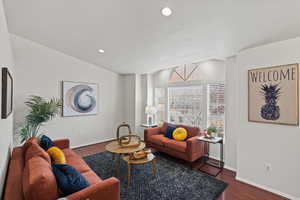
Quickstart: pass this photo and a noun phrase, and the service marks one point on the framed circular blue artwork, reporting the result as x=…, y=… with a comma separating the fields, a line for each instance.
x=79, y=98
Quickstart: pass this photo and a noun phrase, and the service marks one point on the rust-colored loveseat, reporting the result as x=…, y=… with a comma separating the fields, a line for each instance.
x=30, y=176
x=190, y=150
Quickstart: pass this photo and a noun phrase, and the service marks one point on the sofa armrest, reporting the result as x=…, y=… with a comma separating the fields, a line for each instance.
x=62, y=143
x=107, y=189
x=151, y=131
x=195, y=146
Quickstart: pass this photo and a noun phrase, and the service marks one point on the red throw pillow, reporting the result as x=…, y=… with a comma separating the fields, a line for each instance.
x=29, y=142
x=38, y=180
x=36, y=150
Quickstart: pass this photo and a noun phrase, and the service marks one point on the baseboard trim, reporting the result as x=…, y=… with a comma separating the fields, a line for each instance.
x=229, y=168
x=226, y=166
x=267, y=188
x=87, y=144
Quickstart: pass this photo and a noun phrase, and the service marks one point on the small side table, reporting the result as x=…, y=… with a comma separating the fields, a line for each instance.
x=220, y=164
x=150, y=158
x=146, y=126
x=149, y=125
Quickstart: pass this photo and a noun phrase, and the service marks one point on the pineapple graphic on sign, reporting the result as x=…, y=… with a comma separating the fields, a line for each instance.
x=271, y=94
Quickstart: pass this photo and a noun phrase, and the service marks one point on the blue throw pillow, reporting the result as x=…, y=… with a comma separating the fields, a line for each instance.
x=68, y=179
x=169, y=132
x=46, y=142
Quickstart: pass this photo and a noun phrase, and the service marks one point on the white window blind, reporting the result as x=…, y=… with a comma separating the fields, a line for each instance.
x=186, y=105
x=216, y=106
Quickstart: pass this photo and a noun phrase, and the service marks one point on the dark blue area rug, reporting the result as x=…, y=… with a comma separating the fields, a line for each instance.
x=174, y=181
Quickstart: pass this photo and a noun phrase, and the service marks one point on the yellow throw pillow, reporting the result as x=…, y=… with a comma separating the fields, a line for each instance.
x=180, y=134
x=57, y=155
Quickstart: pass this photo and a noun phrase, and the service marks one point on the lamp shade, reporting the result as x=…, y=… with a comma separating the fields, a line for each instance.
x=150, y=110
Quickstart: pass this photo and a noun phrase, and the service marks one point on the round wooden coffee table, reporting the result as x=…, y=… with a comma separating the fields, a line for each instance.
x=115, y=148
x=150, y=158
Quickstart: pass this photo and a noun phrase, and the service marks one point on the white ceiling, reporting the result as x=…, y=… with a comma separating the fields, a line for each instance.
x=138, y=39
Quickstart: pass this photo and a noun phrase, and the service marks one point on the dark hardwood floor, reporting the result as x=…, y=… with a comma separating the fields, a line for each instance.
x=236, y=190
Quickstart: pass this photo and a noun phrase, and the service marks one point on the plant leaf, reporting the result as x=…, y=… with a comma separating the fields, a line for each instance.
x=40, y=111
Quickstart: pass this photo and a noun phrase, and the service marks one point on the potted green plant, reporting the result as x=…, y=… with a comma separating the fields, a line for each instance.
x=40, y=111
x=212, y=131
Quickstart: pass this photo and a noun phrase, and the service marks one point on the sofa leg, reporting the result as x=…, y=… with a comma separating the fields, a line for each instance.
x=191, y=165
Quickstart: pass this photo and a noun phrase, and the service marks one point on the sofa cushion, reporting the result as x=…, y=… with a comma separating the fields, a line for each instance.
x=158, y=139
x=35, y=150
x=91, y=177
x=75, y=160
x=176, y=145
x=57, y=155
x=192, y=131
x=13, y=185
x=180, y=134
x=29, y=142
x=69, y=180
x=164, y=127
x=46, y=142
x=38, y=180
x=170, y=130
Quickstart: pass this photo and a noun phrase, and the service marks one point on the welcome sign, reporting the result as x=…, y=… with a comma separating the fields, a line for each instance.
x=273, y=95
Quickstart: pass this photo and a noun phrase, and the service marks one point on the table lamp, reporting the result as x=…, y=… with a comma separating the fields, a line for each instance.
x=150, y=111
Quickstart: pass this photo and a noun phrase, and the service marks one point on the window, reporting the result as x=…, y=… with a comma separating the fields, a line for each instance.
x=185, y=73
x=216, y=106
x=186, y=105
x=199, y=105
x=191, y=97
x=160, y=103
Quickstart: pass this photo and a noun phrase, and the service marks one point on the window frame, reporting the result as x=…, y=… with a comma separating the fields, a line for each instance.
x=204, y=90
x=194, y=83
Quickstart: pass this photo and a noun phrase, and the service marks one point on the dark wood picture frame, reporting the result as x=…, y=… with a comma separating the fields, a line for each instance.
x=7, y=93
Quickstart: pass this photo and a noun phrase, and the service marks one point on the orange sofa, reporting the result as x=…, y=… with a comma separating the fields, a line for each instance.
x=189, y=150
x=30, y=176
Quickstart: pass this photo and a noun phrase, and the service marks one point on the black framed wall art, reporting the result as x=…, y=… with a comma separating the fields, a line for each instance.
x=7, y=93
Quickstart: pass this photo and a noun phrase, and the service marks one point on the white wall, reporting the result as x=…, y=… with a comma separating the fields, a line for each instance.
x=6, y=125
x=40, y=70
x=135, y=94
x=211, y=70
x=129, y=99
x=144, y=97
x=231, y=115
x=150, y=89
x=258, y=143
x=138, y=101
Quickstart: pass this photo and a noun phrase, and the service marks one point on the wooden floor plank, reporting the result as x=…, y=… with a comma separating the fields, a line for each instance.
x=236, y=190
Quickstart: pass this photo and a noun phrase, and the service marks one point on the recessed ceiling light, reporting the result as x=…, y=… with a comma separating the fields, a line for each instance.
x=101, y=50
x=166, y=11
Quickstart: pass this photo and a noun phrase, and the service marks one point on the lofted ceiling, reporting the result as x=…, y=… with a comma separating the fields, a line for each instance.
x=138, y=39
